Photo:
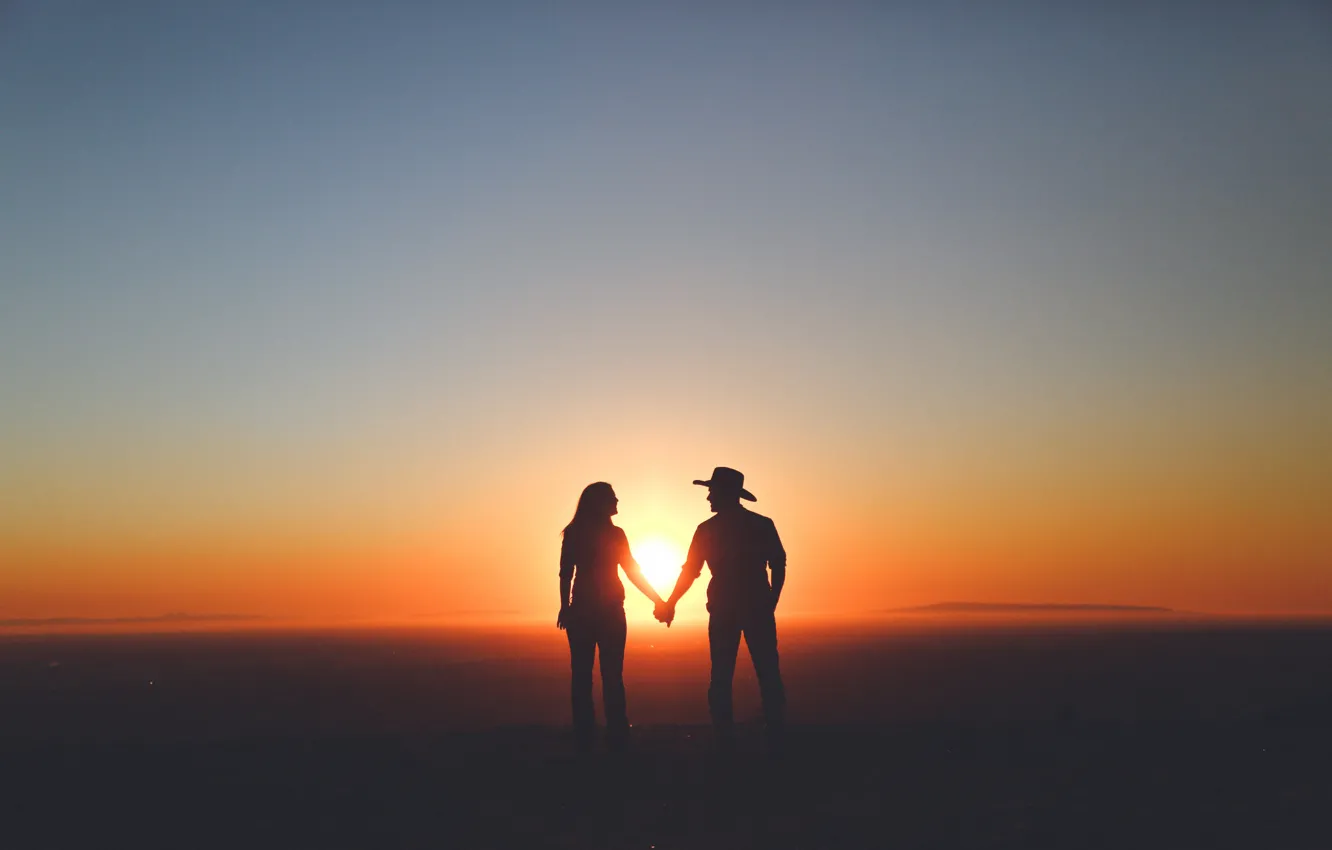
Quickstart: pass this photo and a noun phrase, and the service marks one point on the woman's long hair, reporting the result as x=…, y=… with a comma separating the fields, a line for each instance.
x=593, y=507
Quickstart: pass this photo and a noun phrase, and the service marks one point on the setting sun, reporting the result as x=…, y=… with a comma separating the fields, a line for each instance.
x=660, y=561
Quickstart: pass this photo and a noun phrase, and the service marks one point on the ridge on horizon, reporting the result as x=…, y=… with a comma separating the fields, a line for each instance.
x=998, y=607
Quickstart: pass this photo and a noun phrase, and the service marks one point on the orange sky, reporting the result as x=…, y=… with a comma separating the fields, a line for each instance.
x=868, y=525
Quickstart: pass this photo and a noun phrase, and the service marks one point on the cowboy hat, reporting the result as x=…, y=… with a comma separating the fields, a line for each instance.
x=728, y=480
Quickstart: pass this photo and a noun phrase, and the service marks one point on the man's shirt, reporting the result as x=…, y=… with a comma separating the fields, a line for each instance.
x=738, y=546
x=592, y=557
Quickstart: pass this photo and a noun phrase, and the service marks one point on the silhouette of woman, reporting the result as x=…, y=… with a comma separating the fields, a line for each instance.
x=593, y=613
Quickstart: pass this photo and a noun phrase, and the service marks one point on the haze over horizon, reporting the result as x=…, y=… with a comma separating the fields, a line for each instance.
x=331, y=309
x=182, y=617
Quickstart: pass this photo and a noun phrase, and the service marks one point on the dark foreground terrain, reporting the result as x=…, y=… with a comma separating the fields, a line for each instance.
x=1128, y=735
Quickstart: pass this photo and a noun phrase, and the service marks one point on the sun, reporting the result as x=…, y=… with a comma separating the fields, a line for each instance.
x=660, y=560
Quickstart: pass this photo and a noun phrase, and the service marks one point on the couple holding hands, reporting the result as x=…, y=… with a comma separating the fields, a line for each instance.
x=739, y=547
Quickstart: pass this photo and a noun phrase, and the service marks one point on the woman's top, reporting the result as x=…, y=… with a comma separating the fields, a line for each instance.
x=592, y=557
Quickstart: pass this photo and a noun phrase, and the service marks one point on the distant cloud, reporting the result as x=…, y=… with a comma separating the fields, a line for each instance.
x=1003, y=607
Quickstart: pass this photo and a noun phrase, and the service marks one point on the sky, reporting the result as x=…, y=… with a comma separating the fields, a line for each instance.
x=331, y=309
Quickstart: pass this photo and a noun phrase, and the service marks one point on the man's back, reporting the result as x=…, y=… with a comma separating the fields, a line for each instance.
x=738, y=546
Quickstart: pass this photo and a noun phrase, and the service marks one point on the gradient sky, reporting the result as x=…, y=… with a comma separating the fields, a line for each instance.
x=329, y=309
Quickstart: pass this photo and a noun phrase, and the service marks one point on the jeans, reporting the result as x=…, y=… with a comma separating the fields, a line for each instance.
x=589, y=630
x=759, y=627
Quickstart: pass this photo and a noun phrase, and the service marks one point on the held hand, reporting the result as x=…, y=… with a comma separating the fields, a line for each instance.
x=665, y=613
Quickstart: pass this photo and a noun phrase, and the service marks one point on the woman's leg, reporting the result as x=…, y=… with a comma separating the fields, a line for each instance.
x=611, y=639
x=582, y=649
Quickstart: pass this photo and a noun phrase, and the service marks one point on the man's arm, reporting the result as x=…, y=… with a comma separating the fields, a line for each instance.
x=776, y=563
x=683, y=583
x=689, y=572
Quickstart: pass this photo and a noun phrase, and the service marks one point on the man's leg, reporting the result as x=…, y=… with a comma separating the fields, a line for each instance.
x=761, y=638
x=582, y=651
x=723, y=643
x=611, y=638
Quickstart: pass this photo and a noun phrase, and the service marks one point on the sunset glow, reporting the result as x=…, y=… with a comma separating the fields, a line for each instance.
x=333, y=315
x=660, y=561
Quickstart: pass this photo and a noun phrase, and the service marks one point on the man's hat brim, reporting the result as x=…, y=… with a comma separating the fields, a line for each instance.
x=744, y=494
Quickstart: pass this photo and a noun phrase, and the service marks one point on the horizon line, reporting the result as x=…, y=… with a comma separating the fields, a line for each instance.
x=514, y=616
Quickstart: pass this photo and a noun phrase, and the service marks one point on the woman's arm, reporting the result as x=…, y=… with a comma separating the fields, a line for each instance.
x=635, y=572
x=562, y=617
x=640, y=581
x=566, y=580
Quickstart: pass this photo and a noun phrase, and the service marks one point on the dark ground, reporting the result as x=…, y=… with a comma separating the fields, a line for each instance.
x=1131, y=736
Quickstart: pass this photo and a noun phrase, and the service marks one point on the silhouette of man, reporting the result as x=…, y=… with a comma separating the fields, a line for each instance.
x=739, y=547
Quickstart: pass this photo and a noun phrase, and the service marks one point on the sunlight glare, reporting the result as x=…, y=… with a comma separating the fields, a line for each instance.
x=660, y=561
